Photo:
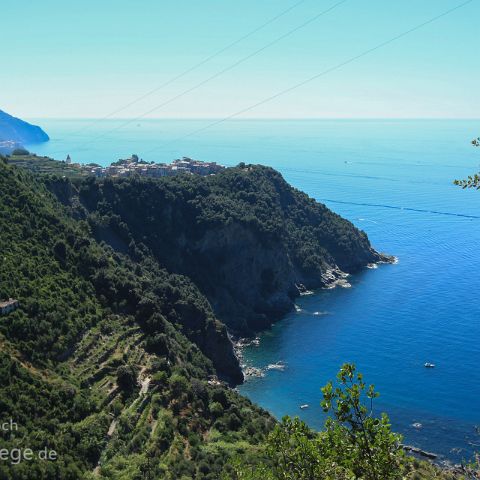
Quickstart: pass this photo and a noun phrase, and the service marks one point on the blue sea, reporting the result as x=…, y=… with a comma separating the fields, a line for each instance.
x=392, y=179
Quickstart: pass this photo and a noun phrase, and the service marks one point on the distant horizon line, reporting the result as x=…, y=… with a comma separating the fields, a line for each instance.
x=255, y=118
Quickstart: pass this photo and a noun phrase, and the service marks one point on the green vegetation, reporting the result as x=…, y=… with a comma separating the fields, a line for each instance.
x=43, y=165
x=102, y=362
x=256, y=197
x=473, y=181
x=20, y=152
x=359, y=442
x=354, y=444
x=113, y=358
x=255, y=235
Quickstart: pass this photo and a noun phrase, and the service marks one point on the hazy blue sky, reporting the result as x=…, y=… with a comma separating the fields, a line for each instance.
x=87, y=58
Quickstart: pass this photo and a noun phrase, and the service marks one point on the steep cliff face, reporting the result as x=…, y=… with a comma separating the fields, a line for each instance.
x=247, y=239
x=251, y=282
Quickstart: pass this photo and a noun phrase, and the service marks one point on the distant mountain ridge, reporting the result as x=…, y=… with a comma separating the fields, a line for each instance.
x=14, y=132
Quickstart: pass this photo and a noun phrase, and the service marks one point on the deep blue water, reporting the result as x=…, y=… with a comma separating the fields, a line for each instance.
x=392, y=179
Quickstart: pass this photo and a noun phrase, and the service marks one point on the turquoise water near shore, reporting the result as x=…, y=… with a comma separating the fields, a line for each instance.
x=393, y=179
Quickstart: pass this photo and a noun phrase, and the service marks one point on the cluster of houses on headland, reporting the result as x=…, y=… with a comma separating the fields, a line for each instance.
x=133, y=166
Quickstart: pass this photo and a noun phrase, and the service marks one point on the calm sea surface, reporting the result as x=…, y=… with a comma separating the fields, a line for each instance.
x=392, y=179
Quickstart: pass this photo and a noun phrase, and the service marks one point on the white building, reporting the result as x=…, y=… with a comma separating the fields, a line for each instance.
x=8, y=306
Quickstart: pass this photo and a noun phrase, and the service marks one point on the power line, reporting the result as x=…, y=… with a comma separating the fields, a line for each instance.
x=318, y=75
x=219, y=73
x=194, y=67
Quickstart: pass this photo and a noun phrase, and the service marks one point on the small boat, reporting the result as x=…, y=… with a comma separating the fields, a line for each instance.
x=429, y=365
x=303, y=407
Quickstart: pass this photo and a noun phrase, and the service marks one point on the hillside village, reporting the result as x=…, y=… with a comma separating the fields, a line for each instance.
x=135, y=166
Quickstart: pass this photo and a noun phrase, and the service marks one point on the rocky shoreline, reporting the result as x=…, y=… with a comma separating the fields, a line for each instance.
x=445, y=465
x=331, y=278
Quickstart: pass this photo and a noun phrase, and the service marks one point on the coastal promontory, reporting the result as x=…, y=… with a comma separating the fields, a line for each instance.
x=15, y=132
x=245, y=237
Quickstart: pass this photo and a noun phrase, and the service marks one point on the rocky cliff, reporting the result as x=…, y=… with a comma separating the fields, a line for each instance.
x=246, y=238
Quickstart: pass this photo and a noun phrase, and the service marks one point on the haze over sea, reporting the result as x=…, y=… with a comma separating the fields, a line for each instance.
x=393, y=179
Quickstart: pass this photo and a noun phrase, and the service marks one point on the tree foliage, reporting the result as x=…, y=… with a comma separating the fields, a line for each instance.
x=360, y=441
x=193, y=225
x=472, y=181
x=354, y=443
